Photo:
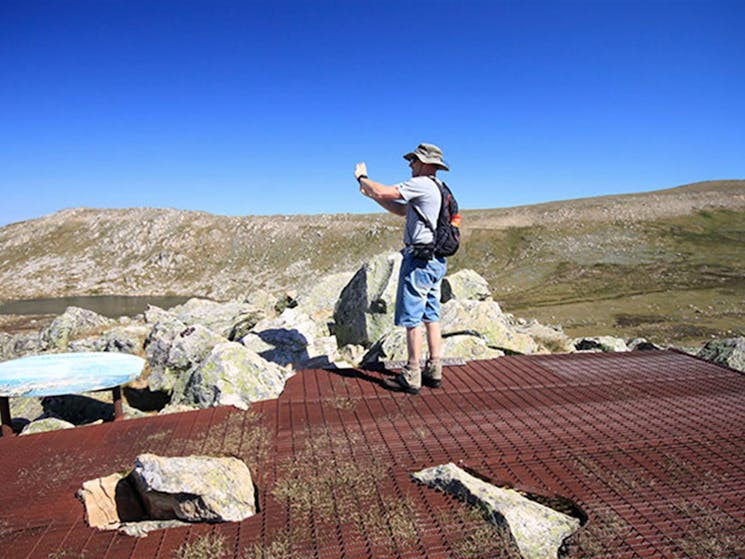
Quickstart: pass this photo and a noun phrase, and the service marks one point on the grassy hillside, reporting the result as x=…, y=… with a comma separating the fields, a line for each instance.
x=666, y=265
x=676, y=279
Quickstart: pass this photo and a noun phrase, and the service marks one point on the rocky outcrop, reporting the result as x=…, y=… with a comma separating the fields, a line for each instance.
x=487, y=319
x=232, y=375
x=173, y=359
x=20, y=345
x=225, y=319
x=364, y=312
x=549, y=338
x=165, y=327
x=320, y=298
x=465, y=284
x=538, y=531
x=74, y=322
x=728, y=351
x=392, y=347
x=120, y=339
x=205, y=353
x=293, y=339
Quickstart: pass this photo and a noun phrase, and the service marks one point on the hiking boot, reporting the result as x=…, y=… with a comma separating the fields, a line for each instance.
x=432, y=374
x=409, y=381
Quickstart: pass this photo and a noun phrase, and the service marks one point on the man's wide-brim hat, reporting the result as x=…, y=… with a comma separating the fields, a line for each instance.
x=428, y=153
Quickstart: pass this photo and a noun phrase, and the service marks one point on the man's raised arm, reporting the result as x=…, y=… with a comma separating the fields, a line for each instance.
x=387, y=196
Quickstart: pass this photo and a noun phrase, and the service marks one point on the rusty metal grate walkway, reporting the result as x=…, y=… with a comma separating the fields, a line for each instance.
x=650, y=445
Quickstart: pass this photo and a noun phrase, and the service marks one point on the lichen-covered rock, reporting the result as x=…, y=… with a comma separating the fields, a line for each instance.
x=292, y=339
x=166, y=328
x=74, y=322
x=727, y=351
x=191, y=346
x=20, y=345
x=233, y=375
x=245, y=322
x=465, y=284
x=124, y=339
x=549, y=338
x=392, y=347
x=606, y=344
x=487, y=319
x=194, y=488
x=538, y=531
x=320, y=298
x=187, y=350
x=27, y=409
x=221, y=318
x=5, y=342
x=364, y=311
x=46, y=424
x=262, y=300
x=154, y=315
x=121, y=339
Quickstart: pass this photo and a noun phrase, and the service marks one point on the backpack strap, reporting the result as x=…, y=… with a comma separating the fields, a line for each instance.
x=421, y=214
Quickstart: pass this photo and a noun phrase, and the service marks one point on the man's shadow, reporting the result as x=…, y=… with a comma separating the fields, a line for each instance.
x=364, y=373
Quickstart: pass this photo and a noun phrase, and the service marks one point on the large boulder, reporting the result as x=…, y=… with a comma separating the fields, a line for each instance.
x=392, y=347
x=262, y=300
x=549, y=338
x=164, y=328
x=232, y=375
x=465, y=284
x=364, y=311
x=292, y=339
x=221, y=318
x=607, y=344
x=728, y=351
x=187, y=349
x=120, y=339
x=538, y=531
x=486, y=319
x=73, y=323
x=20, y=345
x=46, y=424
x=194, y=488
x=319, y=300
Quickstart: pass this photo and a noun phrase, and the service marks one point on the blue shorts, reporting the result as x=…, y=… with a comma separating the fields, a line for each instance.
x=418, y=295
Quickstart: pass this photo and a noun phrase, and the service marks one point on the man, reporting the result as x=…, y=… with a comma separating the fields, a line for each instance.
x=418, y=295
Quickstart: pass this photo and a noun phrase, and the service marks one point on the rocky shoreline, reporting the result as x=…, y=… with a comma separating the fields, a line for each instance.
x=205, y=353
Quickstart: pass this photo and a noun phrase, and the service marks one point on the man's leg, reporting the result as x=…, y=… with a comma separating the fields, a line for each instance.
x=410, y=378
x=432, y=374
x=414, y=345
x=434, y=340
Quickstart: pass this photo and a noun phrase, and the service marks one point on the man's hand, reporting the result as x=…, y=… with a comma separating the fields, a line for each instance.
x=360, y=170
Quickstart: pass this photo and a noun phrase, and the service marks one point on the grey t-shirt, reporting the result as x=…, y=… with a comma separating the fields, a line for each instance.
x=423, y=192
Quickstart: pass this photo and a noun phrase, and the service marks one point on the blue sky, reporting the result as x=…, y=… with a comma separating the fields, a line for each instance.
x=243, y=108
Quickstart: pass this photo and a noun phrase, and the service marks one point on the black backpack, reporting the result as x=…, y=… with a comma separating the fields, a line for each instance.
x=447, y=233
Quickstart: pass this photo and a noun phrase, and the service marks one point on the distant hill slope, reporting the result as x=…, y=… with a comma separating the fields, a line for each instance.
x=545, y=259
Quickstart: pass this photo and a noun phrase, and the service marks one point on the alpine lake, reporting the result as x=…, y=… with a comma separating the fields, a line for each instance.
x=33, y=314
